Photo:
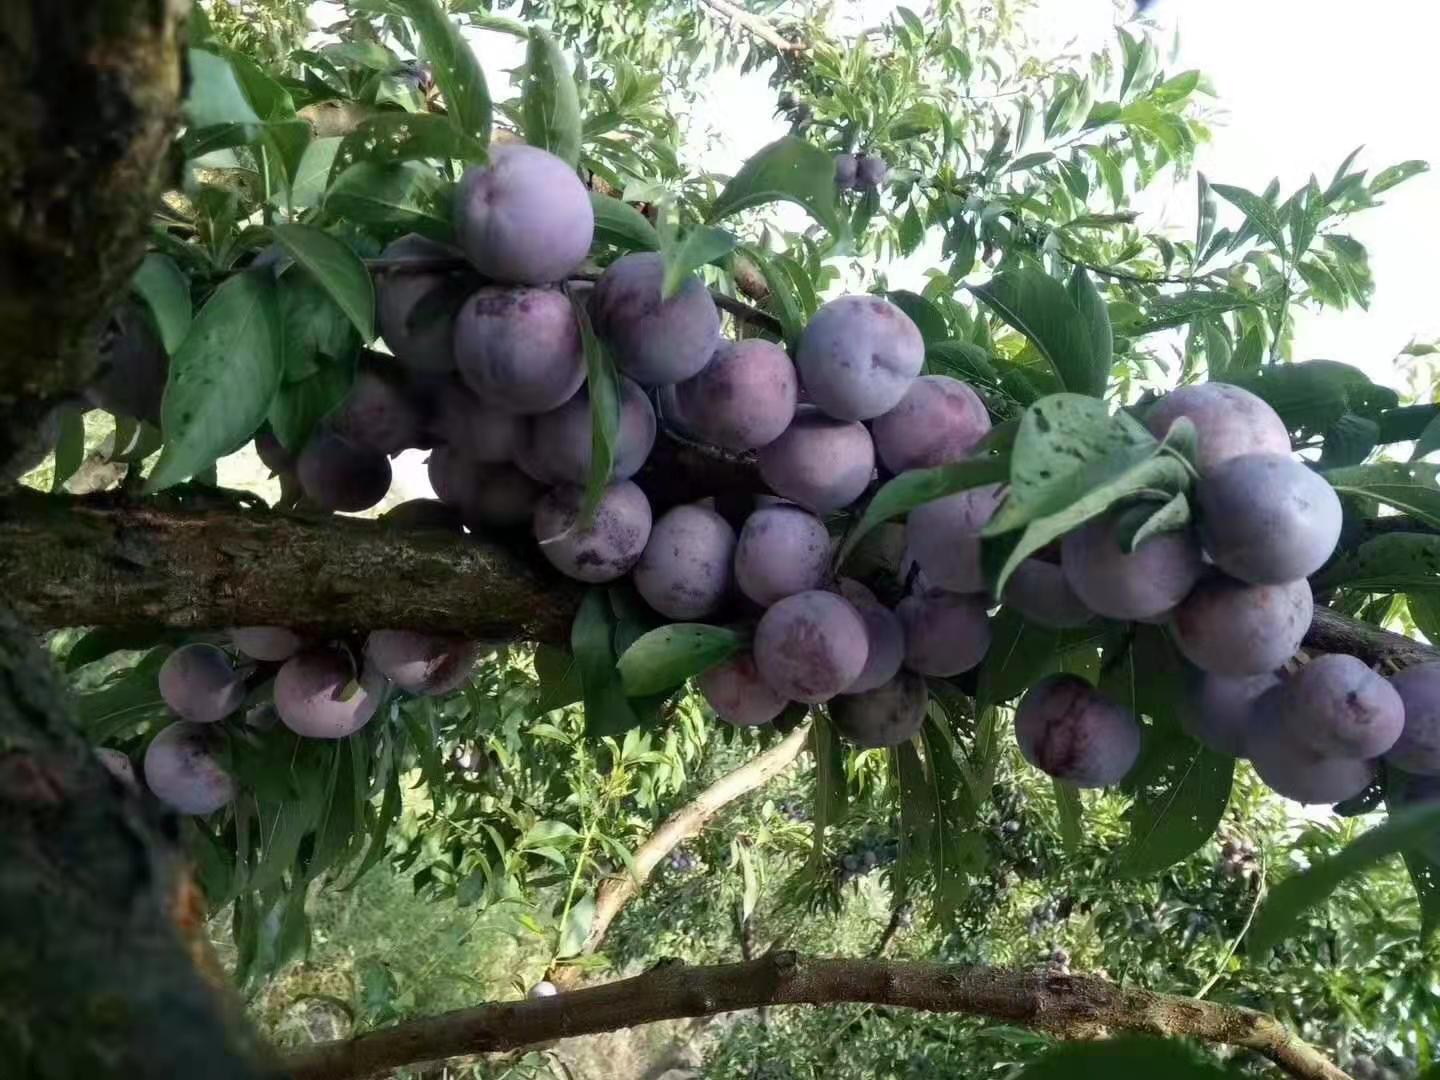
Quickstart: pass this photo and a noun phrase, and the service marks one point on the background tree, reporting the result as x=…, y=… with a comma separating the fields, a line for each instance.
x=298, y=168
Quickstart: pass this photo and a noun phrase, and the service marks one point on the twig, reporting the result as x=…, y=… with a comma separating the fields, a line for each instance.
x=754, y=25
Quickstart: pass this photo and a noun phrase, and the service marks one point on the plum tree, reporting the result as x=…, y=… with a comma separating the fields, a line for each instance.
x=379, y=412
x=416, y=308
x=1142, y=584
x=1293, y=770
x=1219, y=710
x=268, y=643
x=943, y=537
x=337, y=473
x=182, y=769
x=1335, y=706
x=782, y=550
x=1418, y=748
x=562, y=441
x=199, y=684
x=858, y=355
x=1039, y=590
x=609, y=547
x=1267, y=518
x=870, y=171
x=685, y=570
x=473, y=429
x=885, y=715
x=845, y=169
x=738, y=694
x=819, y=462
x=133, y=366
x=946, y=633
x=519, y=348
x=810, y=646
x=883, y=634
x=425, y=664
x=1229, y=421
x=1230, y=628
x=655, y=341
x=319, y=694
x=524, y=217
x=743, y=399
x=118, y=764
x=939, y=420
x=1069, y=730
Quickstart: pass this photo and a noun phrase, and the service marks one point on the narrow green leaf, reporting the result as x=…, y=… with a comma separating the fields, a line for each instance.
x=1127, y=1058
x=1071, y=814
x=1039, y=307
x=549, y=101
x=701, y=245
x=1428, y=442
x=1392, y=562
x=607, y=712
x=1180, y=791
x=394, y=198
x=831, y=791
x=222, y=380
x=215, y=95
x=927, y=318
x=1171, y=516
x=1413, y=489
x=167, y=292
x=577, y=926
x=1397, y=174
x=391, y=137
x=788, y=169
x=1091, y=305
x=783, y=300
x=621, y=224
x=664, y=658
x=336, y=268
x=602, y=383
x=69, y=447
x=457, y=72
x=1259, y=214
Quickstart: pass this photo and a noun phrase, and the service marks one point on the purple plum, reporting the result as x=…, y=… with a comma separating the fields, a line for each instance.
x=858, y=355
x=883, y=633
x=782, y=550
x=655, y=341
x=1418, y=748
x=811, y=646
x=819, y=462
x=562, y=441
x=609, y=548
x=1228, y=422
x=1144, y=584
x=519, y=349
x=199, y=684
x=1069, y=730
x=946, y=634
x=886, y=715
x=743, y=399
x=939, y=420
x=422, y=663
x=319, y=694
x=1227, y=627
x=268, y=643
x=183, y=771
x=1335, y=706
x=737, y=693
x=943, y=537
x=685, y=570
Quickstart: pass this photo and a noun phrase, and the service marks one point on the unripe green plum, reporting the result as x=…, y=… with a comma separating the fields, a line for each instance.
x=311, y=694
x=118, y=764
x=819, y=462
x=1040, y=592
x=380, y=413
x=946, y=634
x=939, y=420
x=133, y=366
x=685, y=570
x=1069, y=730
x=811, y=646
x=743, y=399
x=267, y=643
x=609, y=548
x=337, y=473
x=858, y=355
x=1227, y=627
x=1219, y=710
x=883, y=633
x=782, y=550
x=199, y=684
x=737, y=693
x=943, y=537
x=1418, y=748
x=886, y=715
x=1267, y=518
x=183, y=771
x=1228, y=422
x=655, y=341
x=519, y=349
x=562, y=440
x=524, y=217
x=1294, y=771
x=425, y=664
x=416, y=310
x=1335, y=706
x=1144, y=584
x=474, y=430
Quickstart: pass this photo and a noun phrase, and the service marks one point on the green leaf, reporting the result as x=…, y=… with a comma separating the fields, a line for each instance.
x=1412, y=489
x=1302, y=891
x=1020, y=654
x=1312, y=395
x=549, y=102
x=69, y=447
x=919, y=486
x=166, y=290
x=1429, y=440
x=789, y=169
x=577, y=926
x=457, y=72
x=1397, y=174
x=923, y=313
x=336, y=268
x=831, y=790
x=1088, y=302
x=1259, y=214
x=1248, y=355
x=559, y=678
x=391, y=137
x=607, y=712
x=222, y=379
x=123, y=702
x=1180, y=791
x=1128, y=1058
x=1349, y=441
x=702, y=245
x=1389, y=563
x=603, y=385
x=1071, y=814
x=961, y=360
x=299, y=406
x=215, y=95
x=1208, y=213
x=1040, y=308
x=621, y=224
x=313, y=173
x=1170, y=516
x=395, y=198
x=783, y=300
x=664, y=658
x=1178, y=309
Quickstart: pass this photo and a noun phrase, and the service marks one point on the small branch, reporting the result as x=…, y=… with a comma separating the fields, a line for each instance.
x=1405, y=423
x=753, y=25
x=618, y=891
x=1067, y=1006
x=1138, y=279
x=1332, y=632
x=899, y=920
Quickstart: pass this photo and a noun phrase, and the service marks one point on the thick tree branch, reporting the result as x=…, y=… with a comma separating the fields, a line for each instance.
x=1331, y=632
x=1068, y=1006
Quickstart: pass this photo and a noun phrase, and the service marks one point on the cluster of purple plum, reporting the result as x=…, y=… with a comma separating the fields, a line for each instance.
x=320, y=691
x=860, y=172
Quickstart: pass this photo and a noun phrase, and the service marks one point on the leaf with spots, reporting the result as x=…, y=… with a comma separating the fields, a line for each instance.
x=665, y=658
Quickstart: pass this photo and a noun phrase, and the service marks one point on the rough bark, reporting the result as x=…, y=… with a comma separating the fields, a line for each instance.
x=1068, y=1006
x=92, y=91
x=1331, y=632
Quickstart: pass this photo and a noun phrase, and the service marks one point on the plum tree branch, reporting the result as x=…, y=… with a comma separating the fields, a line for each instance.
x=754, y=25
x=1067, y=1006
